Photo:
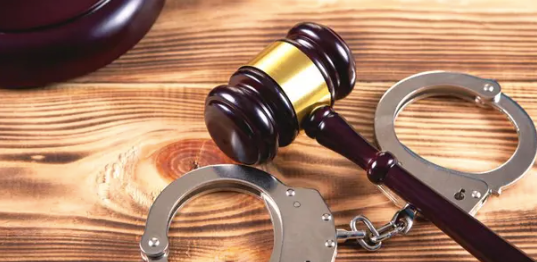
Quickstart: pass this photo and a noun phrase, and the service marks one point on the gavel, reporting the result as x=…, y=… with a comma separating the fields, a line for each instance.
x=291, y=86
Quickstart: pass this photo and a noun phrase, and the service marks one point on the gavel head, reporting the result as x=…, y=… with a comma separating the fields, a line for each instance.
x=265, y=102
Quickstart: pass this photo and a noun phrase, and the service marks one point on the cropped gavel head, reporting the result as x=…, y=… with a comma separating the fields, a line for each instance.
x=266, y=101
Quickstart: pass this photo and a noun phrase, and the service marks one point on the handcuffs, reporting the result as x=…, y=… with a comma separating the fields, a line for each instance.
x=466, y=190
x=296, y=211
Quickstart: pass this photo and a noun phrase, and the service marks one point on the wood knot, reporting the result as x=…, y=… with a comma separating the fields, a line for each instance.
x=185, y=155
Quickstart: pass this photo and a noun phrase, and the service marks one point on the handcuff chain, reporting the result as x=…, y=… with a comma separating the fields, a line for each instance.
x=371, y=239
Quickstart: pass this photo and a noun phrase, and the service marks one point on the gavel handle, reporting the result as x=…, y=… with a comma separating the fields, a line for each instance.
x=333, y=132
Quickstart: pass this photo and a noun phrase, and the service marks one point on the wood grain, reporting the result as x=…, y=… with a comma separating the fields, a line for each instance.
x=81, y=162
x=200, y=41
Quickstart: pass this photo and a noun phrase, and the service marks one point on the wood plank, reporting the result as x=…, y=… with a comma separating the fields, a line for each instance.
x=205, y=41
x=82, y=163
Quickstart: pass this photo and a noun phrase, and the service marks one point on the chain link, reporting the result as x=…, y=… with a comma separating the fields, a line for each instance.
x=371, y=238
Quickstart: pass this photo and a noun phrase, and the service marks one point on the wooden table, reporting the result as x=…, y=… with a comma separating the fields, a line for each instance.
x=82, y=161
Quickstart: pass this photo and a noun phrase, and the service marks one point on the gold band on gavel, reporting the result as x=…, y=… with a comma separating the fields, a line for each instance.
x=297, y=75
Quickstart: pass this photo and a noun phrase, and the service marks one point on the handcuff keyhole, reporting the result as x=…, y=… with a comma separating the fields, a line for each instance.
x=460, y=195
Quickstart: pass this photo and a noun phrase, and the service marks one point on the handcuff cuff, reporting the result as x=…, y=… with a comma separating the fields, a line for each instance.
x=468, y=191
x=295, y=211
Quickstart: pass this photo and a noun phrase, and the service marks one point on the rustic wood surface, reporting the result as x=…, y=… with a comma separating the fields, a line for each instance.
x=82, y=161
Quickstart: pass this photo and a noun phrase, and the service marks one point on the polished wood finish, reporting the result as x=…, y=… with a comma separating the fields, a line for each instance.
x=44, y=41
x=25, y=15
x=330, y=53
x=249, y=118
x=332, y=131
x=81, y=162
x=252, y=116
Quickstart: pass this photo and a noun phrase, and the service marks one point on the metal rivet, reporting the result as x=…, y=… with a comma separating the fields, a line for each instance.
x=479, y=101
x=488, y=88
x=330, y=243
x=296, y=204
x=476, y=194
x=327, y=217
x=290, y=192
x=153, y=242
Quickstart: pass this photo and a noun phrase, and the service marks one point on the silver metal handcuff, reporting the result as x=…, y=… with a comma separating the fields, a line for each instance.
x=295, y=211
x=466, y=190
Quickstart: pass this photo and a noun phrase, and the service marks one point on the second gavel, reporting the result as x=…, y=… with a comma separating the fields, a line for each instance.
x=292, y=85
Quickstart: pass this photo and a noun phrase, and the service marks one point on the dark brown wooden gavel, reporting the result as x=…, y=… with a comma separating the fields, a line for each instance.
x=291, y=86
